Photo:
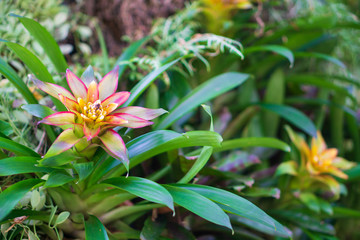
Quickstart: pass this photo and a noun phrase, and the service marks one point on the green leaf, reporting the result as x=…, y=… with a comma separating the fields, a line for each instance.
x=94, y=229
x=321, y=83
x=18, y=165
x=262, y=192
x=204, y=156
x=310, y=200
x=84, y=169
x=140, y=144
x=318, y=101
x=154, y=143
x=128, y=54
x=36, y=66
x=36, y=215
x=353, y=173
x=58, y=178
x=48, y=43
x=32, y=235
x=293, y=115
x=146, y=82
x=189, y=139
x=11, y=75
x=152, y=229
x=200, y=162
x=35, y=198
x=103, y=48
x=305, y=221
x=342, y=212
x=62, y=217
x=207, y=109
x=196, y=203
x=13, y=194
x=203, y=93
x=253, y=142
x=41, y=111
x=273, y=48
x=5, y=128
x=279, y=230
x=17, y=148
x=31, y=61
x=58, y=160
x=38, y=110
x=320, y=56
x=325, y=206
x=289, y=167
x=143, y=188
x=275, y=92
x=233, y=203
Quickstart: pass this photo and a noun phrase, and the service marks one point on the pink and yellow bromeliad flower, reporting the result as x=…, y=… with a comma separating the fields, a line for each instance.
x=93, y=110
x=318, y=163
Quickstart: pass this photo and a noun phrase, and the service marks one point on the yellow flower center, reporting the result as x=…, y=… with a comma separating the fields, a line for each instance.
x=92, y=111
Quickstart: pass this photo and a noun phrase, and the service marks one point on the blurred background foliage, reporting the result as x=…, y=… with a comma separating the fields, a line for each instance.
x=303, y=55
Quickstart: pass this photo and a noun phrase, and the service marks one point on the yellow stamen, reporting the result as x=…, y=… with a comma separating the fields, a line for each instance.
x=93, y=112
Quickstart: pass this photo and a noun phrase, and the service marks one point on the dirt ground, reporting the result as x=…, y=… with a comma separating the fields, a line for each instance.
x=127, y=17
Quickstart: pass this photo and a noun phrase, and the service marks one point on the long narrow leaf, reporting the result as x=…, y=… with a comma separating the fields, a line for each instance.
x=128, y=54
x=46, y=41
x=17, y=165
x=17, y=148
x=199, y=205
x=13, y=194
x=273, y=48
x=321, y=83
x=292, y=115
x=139, y=151
x=233, y=204
x=204, y=156
x=31, y=61
x=145, y=143
x=143, y=188
x=11, y=75
x=203, y=93
x=146, y=82
x=253, y=142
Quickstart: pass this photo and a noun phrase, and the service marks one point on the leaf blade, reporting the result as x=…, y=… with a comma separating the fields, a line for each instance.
x=233, y=203
x=13, y=194
x=199, y=205
x=203, y=93
x=253, y=142
x=19, y=165
x=94, y=229
x=11, y=75
x=292, y=115
x=146, y=82
x=47, y=42
x=143, y=188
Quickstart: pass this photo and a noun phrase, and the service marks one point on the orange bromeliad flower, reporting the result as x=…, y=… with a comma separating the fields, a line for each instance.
x=324, y=160
x=318, y=162
x=93, y=110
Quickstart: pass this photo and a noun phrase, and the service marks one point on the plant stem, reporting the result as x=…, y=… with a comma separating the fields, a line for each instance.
x=127, y=210
x=110, y=202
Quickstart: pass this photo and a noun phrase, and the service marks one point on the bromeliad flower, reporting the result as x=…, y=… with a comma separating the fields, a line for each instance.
x=228, y=4
x=218, y=13
x=319, y=159
x=318, y=163
x=93, y=110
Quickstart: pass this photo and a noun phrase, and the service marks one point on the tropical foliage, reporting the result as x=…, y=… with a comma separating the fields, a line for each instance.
x=230, y=120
